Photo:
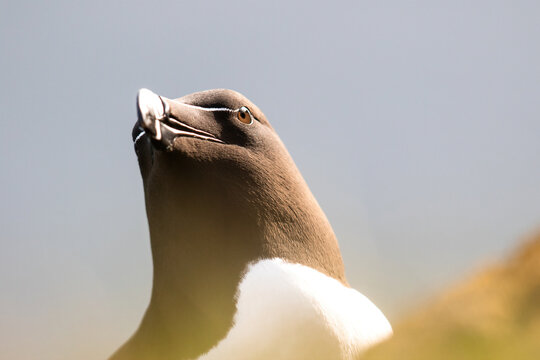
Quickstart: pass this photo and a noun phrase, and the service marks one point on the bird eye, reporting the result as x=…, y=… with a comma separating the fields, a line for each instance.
x=244, y=115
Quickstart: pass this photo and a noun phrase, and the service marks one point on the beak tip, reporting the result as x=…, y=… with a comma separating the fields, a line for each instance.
x=149, y=108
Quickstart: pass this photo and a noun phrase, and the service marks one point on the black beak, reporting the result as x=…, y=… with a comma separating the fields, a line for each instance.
x=156, y=122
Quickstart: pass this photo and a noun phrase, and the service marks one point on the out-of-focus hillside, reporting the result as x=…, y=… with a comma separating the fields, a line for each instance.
x=493, y=315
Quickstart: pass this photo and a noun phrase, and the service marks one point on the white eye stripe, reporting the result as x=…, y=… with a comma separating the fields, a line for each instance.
x=203, y=108
x=211, y=109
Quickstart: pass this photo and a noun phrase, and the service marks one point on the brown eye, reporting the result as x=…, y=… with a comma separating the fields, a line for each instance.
x=244, y=115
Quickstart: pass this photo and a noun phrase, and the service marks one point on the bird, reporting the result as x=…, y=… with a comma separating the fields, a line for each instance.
x=245, y=262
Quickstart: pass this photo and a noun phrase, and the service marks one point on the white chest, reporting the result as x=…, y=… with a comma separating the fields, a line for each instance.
x=290, y=311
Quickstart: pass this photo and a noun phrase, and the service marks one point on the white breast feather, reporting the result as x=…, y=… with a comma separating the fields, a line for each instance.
x=290, y=311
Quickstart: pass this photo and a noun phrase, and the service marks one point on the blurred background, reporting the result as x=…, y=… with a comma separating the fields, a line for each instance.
x=416, y=125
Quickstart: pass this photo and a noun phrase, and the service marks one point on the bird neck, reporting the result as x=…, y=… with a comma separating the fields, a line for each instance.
x=201, y=243
x=199, y=253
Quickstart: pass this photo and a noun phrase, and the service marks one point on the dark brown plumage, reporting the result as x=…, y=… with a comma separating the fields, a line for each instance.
x=213, y=207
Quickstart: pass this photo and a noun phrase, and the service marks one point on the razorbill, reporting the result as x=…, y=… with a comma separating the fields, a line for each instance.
x=246, y=265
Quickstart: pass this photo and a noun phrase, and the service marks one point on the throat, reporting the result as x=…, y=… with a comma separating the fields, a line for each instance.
x=185, y=318
x=192, y=305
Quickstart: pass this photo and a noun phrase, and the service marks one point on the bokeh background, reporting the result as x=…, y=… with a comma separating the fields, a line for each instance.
x=416, y=125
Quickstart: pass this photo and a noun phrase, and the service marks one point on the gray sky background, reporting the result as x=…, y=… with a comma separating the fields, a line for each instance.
x=416, y=125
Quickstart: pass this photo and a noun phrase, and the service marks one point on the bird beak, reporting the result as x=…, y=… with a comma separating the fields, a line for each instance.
x=151, y=111
x=162, y=124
